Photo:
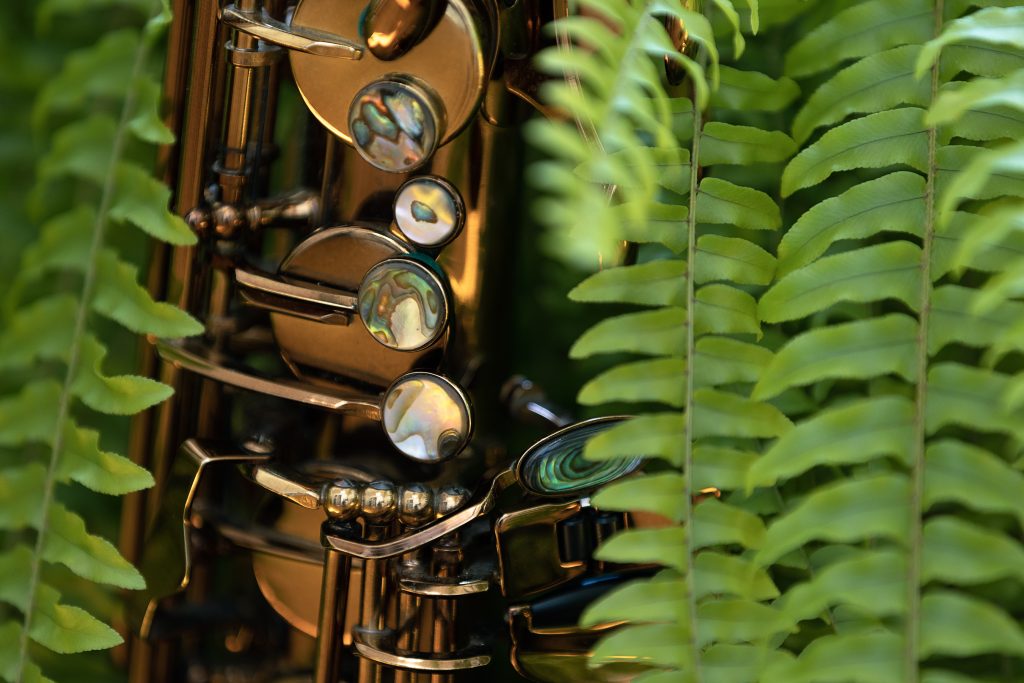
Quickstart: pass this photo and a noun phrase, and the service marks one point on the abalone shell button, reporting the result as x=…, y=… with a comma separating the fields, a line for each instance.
x=426, y=417
x=395, y=125
x=555, y=465
x=403, y=304
x=429, y=211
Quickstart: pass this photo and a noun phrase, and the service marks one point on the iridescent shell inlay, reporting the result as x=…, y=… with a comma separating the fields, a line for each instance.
x=555, y=466
x=393, y=125
x=428, y=211
x=402, y=304
x=426, y=417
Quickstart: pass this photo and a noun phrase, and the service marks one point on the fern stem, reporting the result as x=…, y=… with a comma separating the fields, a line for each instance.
x=691, y=305
x=912, y=625
x=74, y=353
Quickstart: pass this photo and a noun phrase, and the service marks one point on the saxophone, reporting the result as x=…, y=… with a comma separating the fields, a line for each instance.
x=336, y=496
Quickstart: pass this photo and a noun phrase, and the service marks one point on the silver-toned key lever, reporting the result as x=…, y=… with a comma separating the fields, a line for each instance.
x=427, y=417
x=297, y=38
x=402, y=302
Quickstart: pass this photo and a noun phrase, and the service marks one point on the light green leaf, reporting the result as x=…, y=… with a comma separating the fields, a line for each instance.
x=996, y=123
x=655, y=333
x=720, y=467
x=897, y=136
x=979, y=60
x=657, y=435
x=719, y=201
x=719, y=413
x=864, y=29
x=146, y=124
x=721, y=309
x=872, y=506
x=971, y=476
x=10, y=639
x=981, y=93
x=21, y=502
x=730, y=663
x=64, y=243
x=944, y=615
x=662, y=493
x=661, y=380
x=958, y=552
x=716, y=573
x=989, y=241
x=962, y=395
x=41, y=330
x=664, y=224
x=119, y=297
x=954, y=319
x=117, y=394
x=873, y=582
x=876, y=83
x=721, y=360
x=89, y=556
x=733, y=17
x=658, y=283
x=81, y=150
x=661, y=598
x=665, y=546
x=973, y=181
x=857, y=350
x=66, y=629
x=884, y=271
x=727, y=143
x=738, y=621
x=753, y=91
x=990, y=26
x=718, y=523
x=857, y=432
x=142, y=200
x=733, y=259
x=83, y=460
x=846, y=658
x=892, y=202
x=654, y=644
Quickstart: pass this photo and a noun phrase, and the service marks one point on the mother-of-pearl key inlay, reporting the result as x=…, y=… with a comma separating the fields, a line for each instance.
x=426, y=417
x=429, y=211
x=394, y=126
x=403, y=304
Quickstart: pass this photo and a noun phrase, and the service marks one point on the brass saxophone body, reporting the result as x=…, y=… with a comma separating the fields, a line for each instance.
x=336, y=496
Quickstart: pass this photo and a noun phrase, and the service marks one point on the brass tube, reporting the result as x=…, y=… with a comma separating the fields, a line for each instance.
x=331, y=624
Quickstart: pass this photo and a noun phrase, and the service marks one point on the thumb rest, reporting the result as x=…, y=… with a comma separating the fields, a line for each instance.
x=337, y=498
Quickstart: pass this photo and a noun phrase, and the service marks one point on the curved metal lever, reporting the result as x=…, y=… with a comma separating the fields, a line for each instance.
x=393, y=27
x=308, y=300
x=298, y=38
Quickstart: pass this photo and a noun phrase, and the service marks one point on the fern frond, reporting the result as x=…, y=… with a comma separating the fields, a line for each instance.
x=92, y=157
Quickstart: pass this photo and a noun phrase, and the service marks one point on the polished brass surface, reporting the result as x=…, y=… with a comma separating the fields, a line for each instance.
x=334, y=499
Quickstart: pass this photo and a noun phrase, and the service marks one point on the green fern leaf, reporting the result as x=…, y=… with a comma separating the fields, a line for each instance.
x=81, y=150
x=147, y=124
x=142, y=200
x=641, y=381
x=720, y=467
x=732, y=259
x=961, y=553
x=858, y=432
x=876, y=83
x=717, y=523
x=858, y=350
x=726, y=143
x=974, y=182
x=659, y=546
x=89, y=556
x=943, y=615
x=893, y=202
x=721, y=360
x=872, y=582
x=958, y=472
x=853, y=658
x=846, y=511
x=114, y=395
x=19, y=495
x=885, y=271
x=658, y=283
x=658, y=435
x=953, y=103
x=989, y=26
x=654, y=644
x=728, y=575
x=898, y=136
x=721, y=309
x=120, y=298
x=719, y=413
x=723, y=202
x=10, y=637
x=962, y=395
x=656, y=333
x=954, y=319
x=662, y=494
x=733, y=17
x=739, y=621
x=752, y=91
x=658, y=599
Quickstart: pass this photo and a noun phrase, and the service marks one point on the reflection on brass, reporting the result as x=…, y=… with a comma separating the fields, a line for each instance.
x=335, y=497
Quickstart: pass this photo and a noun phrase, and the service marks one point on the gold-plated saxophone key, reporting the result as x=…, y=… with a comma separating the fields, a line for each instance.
x=401, y=301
